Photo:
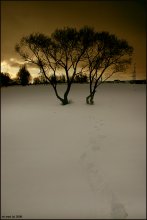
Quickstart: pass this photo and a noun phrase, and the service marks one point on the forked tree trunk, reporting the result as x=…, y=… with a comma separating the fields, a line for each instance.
x=64, y=100
x=90, y=99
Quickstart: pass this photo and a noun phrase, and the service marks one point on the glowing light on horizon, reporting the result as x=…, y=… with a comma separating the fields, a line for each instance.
x=12, y=67
x=7, y=67
x=4, y=66
x=15, y=61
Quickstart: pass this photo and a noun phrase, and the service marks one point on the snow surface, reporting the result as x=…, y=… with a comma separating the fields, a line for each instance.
x=74, y=161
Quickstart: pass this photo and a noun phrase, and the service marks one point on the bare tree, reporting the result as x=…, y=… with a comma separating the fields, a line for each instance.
x=108, y=55
x=70, y=47
x=81, y=78
x=62, y=52
x=73, y=53
x=40, y=80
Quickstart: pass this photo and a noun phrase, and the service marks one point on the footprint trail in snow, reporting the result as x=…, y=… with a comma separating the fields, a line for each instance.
x=106, y=202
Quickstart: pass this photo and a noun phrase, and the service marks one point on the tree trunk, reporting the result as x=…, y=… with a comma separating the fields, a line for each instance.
x=61, y=99
x=66, y=101
x=89, y=99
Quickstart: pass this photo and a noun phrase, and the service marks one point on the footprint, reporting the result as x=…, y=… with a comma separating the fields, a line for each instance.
x=95, y=142
x=83, y=156
x=118, y=211
x=98, y=184
x=93, y=175
x=98, y=124
x=95, y=148
x=96, y=127
x=90, y=166
x=102, y=136
x=92, y=141
x=101, y=123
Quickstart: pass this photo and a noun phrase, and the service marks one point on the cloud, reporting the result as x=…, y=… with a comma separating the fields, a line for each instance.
x=13, y=65
x=32, y=65
x=13, y=62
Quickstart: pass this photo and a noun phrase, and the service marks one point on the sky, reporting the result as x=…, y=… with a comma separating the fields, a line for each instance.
x=126, y=19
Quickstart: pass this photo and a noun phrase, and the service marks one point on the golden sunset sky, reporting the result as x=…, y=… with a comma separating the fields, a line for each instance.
x=126, y=19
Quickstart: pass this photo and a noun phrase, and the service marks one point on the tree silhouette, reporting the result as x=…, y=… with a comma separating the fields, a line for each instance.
x=61, y=78
x=63, y=51
x=81, y=78
x=108, y=55
x=36, y=81
x=5, y=79
x=23, y=76
x=76, y=54
x=40, y=80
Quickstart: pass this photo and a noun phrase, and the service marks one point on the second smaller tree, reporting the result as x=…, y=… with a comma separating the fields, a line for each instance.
x=108, y=55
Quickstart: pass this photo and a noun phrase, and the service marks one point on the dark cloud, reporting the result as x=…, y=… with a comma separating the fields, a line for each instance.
x=14, y=63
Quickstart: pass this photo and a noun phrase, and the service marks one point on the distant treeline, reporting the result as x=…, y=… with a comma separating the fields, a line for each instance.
x=24, y=78
x=6, y=80
x=129, y=81
x=79, y=78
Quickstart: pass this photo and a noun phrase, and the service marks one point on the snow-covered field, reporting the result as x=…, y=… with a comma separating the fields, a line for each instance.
x=74, y=161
